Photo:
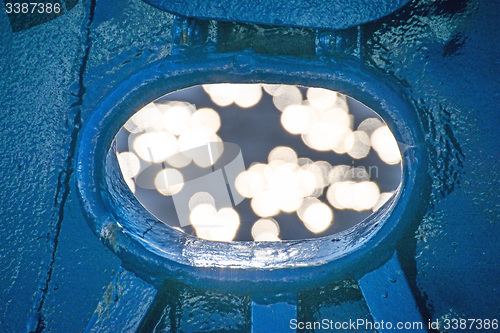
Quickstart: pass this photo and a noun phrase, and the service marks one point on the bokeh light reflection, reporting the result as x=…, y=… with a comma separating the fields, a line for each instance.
x=333, y=162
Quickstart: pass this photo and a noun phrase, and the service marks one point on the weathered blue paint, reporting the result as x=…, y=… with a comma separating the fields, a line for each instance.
x=161, y=252
x=443, y=55
x=274, y=313
x=326, y=14
x=124, y=305
x=390, y=299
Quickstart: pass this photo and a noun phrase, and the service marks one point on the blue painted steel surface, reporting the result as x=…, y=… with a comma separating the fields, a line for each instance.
x=326, y=14
x=390, y=299
x=444, y=56
x=274, y=314
x=47, y=259
x=125, y=226
x=124, y=305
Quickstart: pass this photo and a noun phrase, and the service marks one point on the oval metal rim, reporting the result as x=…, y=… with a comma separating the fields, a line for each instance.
x=330, y=14
x=226, y=265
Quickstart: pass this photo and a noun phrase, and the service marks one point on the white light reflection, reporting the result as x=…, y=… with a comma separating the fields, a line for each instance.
x=281, y=153
x=205, y=138
x=202, y=215
x=169, y=132
x=358, y=144
x=285, y=96
x=221, y=94
x=249, y=183
x=322, y=136
x=353, y=195
x=283, y=183
x=201, y=198
x=340, y=146
x=321, y=98
x=328, y=130
x=270, y=88
x=386, y=146
x=264, y=204
x=248, y=95
x=169, y=181
x=297, y=119
x=384, y=197
x=211, y=154
x=340, y=173
x=129, y=164
x=214, y=225
x=194, y=139
x=176, y=117
x=369, y=125
x=266, y=230
x=205, y=118
x=179, y=160
x=148, y=119
x=366, y=196
x=323, y=168
x=131, y=184
x=155, y=147
x=315, y=215
x=243, y=95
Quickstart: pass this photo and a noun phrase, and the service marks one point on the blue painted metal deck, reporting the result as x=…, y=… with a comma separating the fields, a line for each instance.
x=55, y=274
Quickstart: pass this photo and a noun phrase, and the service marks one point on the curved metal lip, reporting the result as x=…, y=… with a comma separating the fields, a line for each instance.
x=241, y=266
x=319, y=14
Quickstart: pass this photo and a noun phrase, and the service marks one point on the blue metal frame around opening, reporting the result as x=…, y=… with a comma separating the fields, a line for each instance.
x=157, y=252
x=323, y=14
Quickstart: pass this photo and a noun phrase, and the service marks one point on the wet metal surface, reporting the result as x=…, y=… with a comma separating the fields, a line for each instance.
x=274, y=315
x=332, y=14
x=123, y=306
x=444, y=53
x=43, y=268
x=390, y=300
